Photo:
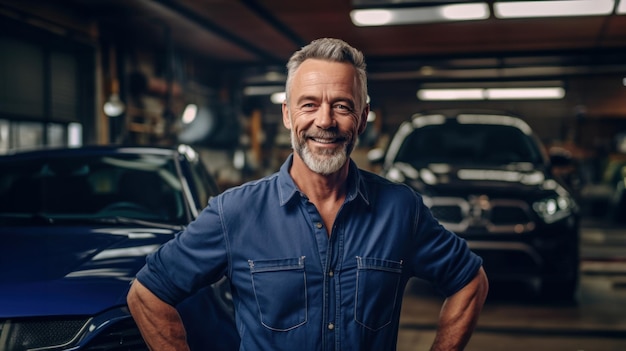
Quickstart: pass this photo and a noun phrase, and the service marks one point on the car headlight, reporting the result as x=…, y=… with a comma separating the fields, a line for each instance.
x=554, y=208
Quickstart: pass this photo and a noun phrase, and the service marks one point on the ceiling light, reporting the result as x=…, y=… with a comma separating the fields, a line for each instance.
x=397, y=16
x=524, y=93
x=521, y=93
x=560, y=8
x=621, y=8
x=114, y=107
x=465, y=12
x=190, y=113
x=371, y=17
x=450, y=94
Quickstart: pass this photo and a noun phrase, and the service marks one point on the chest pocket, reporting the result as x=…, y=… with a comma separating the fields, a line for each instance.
x=376, y=293
x=280, y=292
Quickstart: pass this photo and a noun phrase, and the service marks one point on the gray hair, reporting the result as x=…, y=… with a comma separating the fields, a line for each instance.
x=335, y=50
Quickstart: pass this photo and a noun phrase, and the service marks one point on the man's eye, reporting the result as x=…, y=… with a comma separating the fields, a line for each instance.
x=343, y=108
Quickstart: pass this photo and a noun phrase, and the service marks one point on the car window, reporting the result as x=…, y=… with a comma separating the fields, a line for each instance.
x=203, y=182
x=468, y=144
x=133, y=186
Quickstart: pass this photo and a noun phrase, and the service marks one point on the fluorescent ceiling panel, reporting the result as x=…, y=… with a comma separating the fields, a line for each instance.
x=524, y=93
x=560, y=8
x=398, y=16
x=450, y=94
x=542, y=93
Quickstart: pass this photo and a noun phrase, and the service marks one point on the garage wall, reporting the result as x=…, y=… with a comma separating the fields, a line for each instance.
x=47, y=87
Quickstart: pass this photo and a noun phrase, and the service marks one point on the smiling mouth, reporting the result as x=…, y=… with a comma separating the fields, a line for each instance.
x=326, y=140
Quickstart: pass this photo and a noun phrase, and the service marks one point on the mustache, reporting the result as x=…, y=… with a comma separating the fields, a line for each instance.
x=327, y=134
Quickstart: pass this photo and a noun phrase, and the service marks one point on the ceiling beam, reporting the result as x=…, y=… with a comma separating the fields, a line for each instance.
x=217, y=30
x=270, y=19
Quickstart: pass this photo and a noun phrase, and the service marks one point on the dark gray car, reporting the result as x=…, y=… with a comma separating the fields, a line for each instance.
x=486, y=177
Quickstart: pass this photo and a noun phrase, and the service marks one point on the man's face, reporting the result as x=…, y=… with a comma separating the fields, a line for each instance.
x=322, y=114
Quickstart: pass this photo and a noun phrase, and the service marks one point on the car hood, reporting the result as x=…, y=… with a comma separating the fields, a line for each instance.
x=444, y=179
x=70, y=270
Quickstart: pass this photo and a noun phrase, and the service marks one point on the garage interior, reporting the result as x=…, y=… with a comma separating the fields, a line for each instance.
x=62, y=62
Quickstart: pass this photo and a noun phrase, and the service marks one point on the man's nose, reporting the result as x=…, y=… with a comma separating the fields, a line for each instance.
x=325, y=118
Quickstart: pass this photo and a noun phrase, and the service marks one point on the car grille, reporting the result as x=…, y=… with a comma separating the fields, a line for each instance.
x=121, y=336
x=29, y=334
x=482, y=214
x=61, y=333
x=506, y=215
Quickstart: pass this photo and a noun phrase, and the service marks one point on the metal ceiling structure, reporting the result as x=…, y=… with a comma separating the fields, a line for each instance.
x=247, y=39
x=266, y=32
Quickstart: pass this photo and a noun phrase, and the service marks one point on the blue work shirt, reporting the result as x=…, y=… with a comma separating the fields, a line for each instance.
x=297, y=288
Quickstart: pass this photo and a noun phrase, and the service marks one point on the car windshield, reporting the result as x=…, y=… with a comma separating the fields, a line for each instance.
x=94, y=187
x=468, y=144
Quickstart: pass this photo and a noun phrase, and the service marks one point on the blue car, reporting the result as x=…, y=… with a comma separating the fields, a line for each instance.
x=75, y=227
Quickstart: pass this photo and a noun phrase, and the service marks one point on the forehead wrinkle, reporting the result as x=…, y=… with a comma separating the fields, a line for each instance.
x=328, y=94
x=332, y=98
x=337, y=83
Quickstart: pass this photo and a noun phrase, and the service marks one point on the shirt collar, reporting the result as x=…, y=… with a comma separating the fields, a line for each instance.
x=287, y=189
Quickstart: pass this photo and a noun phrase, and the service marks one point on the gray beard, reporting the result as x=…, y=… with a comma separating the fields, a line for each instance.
x=325, y=162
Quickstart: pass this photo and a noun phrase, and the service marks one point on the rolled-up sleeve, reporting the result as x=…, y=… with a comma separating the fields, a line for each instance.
x=442, y=257
x=194, y=258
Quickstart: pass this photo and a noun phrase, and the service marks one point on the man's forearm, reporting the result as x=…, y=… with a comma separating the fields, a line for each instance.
x=159, y=323
x=459, y=315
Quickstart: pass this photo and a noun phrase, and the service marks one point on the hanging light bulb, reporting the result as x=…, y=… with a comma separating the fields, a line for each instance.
x=114, y=106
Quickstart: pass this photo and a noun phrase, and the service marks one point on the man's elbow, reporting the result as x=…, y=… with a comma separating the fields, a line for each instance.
x=131, y=298
x=137, y=296
x=481, y=284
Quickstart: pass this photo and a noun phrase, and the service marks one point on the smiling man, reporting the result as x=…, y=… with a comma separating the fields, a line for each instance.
x=323, y=112
x=319, y=253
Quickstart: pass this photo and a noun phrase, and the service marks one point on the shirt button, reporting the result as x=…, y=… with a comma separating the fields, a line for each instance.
x=319, y=225
x=331, y=326
x=331, y=273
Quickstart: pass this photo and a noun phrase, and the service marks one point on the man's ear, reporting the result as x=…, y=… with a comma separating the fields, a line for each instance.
x=363, y=119
x=286, y=119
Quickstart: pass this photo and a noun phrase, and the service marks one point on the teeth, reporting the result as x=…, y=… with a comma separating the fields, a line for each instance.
x=324, y=141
